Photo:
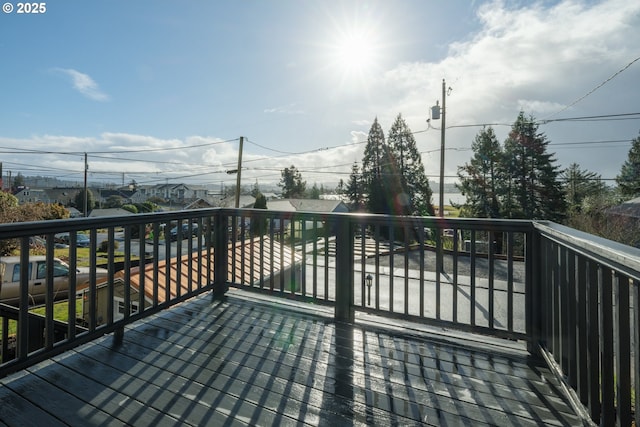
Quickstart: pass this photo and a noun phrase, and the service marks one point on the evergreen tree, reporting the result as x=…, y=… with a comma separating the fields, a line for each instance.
x=410, y=170
x=114, y=201
x=261, y=201
x=79, y=201
x=354, y=189
x=378, y=172
x=258, y=226
x=18, y=181
x=579, y=185
x=314, y=193
x=629, y=178
x=533, y=190
x=255, y=190
x=293, y=187
x=480, y=178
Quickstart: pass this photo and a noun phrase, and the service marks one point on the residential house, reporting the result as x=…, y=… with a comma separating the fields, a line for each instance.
x=125, y=195
x=31, y=195
x=306, y=205
x=275, y=271
x=63, y=195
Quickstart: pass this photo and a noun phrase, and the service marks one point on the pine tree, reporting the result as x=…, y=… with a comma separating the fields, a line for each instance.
x=255, y=190
x=533, y=190
x=293, y=187
x=629, y=178
x=354, y=189
x=374, y=165
x=408, y=167
x=314, y=193
x=79, y=201
x=258, y=225
x=480, y=179
x=580, y=185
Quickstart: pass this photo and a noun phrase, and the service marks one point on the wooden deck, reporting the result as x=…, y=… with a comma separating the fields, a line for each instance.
x=250, y=361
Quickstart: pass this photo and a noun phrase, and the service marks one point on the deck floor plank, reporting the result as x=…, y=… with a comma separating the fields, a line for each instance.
x=250, y=362
x=13, y=408
x=68, y=409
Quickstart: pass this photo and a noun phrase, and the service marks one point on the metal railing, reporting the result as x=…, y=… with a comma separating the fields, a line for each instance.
x=589, y=329
x=570, y=296
x=167, y=270
x=434, y=271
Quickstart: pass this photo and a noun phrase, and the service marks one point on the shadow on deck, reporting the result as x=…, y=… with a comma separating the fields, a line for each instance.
x=249, y=361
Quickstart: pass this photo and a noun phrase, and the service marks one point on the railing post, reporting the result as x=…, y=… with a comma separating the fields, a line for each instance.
x=220, y=263
x=533, y=290
x=344, y=270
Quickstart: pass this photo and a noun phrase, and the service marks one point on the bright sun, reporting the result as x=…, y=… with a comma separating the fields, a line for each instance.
x=354, y=54
x=355, y=51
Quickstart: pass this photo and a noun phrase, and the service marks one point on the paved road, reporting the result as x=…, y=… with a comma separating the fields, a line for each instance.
x=399, y=291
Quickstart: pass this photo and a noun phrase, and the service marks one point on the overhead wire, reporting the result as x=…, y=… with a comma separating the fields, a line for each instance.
x=596, y=88
x=109, y=155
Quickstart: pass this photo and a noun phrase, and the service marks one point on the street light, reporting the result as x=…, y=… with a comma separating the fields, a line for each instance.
x=369, y=279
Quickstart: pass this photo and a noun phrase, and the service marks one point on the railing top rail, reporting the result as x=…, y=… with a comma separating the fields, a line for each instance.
x=19, y=229
x=429, y=221
x=612, y=254
x=12, y=230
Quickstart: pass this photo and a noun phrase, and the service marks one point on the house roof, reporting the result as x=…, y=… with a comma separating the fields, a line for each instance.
x=126, y=194
x=307, y=205
x=199, y=203
x=109, y=212
x=630, y=208
x=245, y=202
x=279, y=258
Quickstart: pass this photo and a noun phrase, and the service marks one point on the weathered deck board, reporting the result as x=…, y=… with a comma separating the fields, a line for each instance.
x=250, y=362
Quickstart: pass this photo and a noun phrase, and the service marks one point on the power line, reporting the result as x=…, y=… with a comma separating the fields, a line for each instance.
x=595, y=88
x=160, y=150
x=600, y=118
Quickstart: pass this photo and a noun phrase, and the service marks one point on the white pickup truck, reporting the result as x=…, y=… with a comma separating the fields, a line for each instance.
x=10, y=279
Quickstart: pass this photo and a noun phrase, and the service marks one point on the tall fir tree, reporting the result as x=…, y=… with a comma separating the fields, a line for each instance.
x=293, y=187
x=375, y=164
x=480, y=179
x=416, y=196
x=315, y=192
x=580, y=185
x=629, y=178
x=355, y=189
x=533, y=190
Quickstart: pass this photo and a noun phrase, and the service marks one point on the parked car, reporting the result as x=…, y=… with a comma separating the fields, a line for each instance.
x=10, y=279
x=183, y=231
x=82, y=240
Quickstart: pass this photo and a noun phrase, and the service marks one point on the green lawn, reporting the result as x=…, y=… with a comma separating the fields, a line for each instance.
x=60, y=312
x=84, y=258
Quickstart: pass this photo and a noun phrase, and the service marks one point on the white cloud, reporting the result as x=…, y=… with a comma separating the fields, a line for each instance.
x=285, y=109
x=362, y=122
x=531, y=57
x=358, y=136
x=84, y=84
x=539, y=108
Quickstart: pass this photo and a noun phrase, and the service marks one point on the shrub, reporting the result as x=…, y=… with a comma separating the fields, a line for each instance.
x=104, y=246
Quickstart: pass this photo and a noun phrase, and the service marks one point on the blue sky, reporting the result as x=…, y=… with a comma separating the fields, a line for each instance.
x=162, y=90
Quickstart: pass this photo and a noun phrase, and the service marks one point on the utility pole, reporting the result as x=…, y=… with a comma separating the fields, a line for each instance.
x=444, y=111
x=239, y=173
x=86, y=192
